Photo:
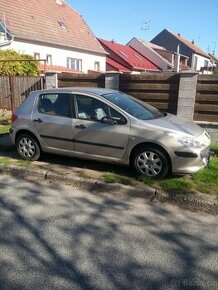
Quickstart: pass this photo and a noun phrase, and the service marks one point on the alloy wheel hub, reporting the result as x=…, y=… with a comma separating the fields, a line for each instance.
x=149, y=163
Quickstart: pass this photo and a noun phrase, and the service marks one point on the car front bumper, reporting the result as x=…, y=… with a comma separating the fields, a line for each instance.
x=190, y=162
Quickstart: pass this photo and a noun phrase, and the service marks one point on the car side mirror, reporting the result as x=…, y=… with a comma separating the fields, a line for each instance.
x=107, y=120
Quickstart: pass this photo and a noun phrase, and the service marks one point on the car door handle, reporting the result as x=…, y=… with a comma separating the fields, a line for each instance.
x=38, y=120
x=81, y=126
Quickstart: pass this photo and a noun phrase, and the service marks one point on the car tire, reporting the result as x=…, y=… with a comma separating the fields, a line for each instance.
x=28, y=147
x=150, y=162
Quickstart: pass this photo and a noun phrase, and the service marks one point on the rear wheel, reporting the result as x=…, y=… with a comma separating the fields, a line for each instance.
x=151, y=162
x=27, y=147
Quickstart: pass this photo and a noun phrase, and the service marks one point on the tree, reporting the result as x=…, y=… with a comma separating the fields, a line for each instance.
x=24, y=66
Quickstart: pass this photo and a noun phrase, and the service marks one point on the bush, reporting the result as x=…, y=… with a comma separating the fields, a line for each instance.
x=27, y=67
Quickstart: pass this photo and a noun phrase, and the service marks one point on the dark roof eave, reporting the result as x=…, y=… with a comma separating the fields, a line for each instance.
x=194, y=50
x=202, y=54
x=59, y=45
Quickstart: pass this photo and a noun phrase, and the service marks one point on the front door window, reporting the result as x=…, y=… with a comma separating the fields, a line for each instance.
x=94, y=110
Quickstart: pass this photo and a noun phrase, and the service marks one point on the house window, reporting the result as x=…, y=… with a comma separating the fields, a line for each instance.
x=123, y=53
x=62, y=24
x=136, y=55
x=195, y=62
x=74, y=63
x=49, y=59
x=36, y=55
x=97, y=66
x=206, y=63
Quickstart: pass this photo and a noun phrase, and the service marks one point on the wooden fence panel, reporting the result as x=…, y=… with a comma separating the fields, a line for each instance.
x=159, y=90
x=5, y=100
x=206, y=102
x=81, y=80
x=14, y=90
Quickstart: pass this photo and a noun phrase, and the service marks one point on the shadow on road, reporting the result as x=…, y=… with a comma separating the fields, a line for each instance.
x=7, y=149
x=57, y=239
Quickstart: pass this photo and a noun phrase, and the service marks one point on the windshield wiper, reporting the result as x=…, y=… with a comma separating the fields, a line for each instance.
x=159, y=115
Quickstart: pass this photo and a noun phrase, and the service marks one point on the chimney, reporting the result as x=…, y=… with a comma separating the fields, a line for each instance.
x=193, y=41
x=178, y=34
x=59, y=2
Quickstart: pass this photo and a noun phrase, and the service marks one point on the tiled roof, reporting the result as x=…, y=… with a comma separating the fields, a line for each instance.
x=152, y=45
x=191, y=45
x=47, y=22
x=116, y=65
x=56, y=68
x=213, y=57
x=129, y=55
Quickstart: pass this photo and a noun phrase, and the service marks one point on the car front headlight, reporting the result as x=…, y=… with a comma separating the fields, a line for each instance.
x=186, y=140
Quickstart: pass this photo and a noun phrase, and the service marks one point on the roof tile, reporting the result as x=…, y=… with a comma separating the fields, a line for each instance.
x=130, y=56
x=116, y=65
x=39, y=20
x=191, y=45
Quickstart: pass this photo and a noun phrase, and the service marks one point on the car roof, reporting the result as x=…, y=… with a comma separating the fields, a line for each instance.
x=89, y=90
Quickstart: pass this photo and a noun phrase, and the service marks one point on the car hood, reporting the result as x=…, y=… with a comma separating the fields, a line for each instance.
x=174, y=124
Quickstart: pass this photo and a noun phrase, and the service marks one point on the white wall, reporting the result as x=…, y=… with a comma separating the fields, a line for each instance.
x=200, y=61
x=59, y=56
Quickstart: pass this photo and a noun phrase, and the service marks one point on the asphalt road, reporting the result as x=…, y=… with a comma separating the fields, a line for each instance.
x=58, y=237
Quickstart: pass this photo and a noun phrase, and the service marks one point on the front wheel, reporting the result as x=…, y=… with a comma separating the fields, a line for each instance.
x=27, y=147
x=150, y=162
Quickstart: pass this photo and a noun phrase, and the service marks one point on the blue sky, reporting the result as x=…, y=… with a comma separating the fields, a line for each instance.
x=123, y=19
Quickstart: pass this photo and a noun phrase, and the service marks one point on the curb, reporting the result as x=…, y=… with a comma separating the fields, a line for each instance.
x=92, y=185
x=193, y=203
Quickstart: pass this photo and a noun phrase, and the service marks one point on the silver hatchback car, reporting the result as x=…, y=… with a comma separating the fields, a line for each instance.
x=109, y=126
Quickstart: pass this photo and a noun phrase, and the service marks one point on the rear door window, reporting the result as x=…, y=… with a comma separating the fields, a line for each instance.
x=55, y=104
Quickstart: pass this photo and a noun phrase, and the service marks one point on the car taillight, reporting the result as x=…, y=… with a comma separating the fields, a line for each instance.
x=13, y=118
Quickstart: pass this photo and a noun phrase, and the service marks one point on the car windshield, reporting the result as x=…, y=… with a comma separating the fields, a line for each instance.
x=134, y=107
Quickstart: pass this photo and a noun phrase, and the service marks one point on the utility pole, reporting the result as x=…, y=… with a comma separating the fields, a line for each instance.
x=145, y=27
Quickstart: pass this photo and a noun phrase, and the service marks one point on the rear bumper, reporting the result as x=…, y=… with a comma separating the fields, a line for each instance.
x=12, y=136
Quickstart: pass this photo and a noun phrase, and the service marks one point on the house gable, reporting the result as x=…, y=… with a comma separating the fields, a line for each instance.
x=127, y=56
x=170, y=41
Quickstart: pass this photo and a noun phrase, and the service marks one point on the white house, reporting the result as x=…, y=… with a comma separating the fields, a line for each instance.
x=52, y=31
